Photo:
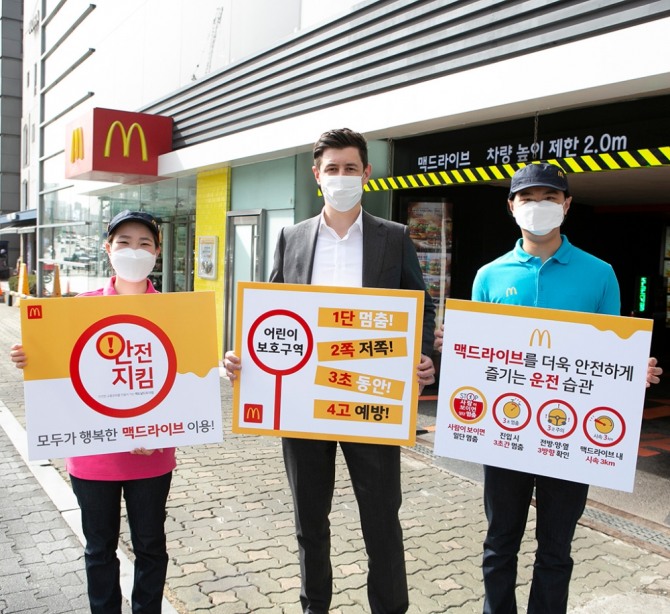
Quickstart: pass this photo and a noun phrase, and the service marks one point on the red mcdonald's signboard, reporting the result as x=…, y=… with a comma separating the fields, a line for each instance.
x=118, y=146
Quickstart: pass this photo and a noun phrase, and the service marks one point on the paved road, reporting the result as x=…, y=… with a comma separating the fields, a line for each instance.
x=231, y=543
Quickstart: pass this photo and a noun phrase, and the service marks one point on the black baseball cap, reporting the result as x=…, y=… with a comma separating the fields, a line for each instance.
x=539, y=175
x=135, y=216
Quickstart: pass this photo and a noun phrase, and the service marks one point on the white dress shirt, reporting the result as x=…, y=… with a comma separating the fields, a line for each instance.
x=338, y=261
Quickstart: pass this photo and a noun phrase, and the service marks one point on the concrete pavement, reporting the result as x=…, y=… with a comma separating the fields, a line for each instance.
x=231, y=536
x=40, y=557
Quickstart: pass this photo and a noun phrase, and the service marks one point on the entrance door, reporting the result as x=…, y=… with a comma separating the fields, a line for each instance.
x=183, y=241
x=245, y=255
x=174, y=270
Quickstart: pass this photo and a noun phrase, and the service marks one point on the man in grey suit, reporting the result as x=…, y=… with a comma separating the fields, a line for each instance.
x=346, y=246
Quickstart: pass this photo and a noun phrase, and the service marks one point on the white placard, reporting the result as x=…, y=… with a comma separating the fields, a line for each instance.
x=331, y=363
x=114, y=373
x=556, y=393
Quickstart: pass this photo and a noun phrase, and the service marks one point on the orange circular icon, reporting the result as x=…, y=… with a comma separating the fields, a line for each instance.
x=110, y=345
x=557, y=417
x=511, y=409
x=604, y=424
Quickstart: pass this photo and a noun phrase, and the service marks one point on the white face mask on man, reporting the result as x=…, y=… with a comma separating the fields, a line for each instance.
x=341, y=192
x=132, y=265
x=539, y=217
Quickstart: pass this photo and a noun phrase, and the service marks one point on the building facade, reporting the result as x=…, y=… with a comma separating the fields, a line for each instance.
x=11, y=29
x=453, y=97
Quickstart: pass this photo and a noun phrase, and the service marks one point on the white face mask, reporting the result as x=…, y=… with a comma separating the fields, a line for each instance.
x=539, y=218
x=132, y=264
x=341, y=192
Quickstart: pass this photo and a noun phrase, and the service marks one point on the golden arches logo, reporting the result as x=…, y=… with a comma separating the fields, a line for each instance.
x=253, y=413
x=125, y=138
x=77, y=145
x=35, y=312
x=540, y=337
x=511, y=291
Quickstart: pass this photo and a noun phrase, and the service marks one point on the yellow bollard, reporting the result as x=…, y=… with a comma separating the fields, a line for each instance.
x=24, y=285
x=55, y=291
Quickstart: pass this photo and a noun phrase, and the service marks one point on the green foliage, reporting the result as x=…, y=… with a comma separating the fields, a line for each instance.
x=32, y=283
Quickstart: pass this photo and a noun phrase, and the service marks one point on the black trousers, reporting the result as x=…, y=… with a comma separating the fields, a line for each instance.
x=560, y=504
x=100, y=503
x=375, y=477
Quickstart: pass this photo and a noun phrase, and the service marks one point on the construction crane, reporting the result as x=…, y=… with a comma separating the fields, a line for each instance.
x=216, y=22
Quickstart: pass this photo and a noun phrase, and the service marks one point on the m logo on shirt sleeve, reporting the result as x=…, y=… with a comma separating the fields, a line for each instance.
x=511, y=291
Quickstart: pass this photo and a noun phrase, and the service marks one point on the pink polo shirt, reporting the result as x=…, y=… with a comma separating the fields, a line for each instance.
x=121, y=465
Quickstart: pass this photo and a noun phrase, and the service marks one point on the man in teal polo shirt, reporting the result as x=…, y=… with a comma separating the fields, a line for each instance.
x=543, y=270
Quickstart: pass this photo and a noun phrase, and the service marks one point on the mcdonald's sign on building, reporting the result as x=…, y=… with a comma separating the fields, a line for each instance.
x=117, y=146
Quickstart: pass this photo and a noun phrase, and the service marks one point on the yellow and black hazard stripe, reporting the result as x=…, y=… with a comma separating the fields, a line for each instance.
x=613, y=161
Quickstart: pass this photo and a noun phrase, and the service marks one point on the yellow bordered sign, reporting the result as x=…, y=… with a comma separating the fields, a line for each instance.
x=613, y=161
x=328, y=363
x=559, y=391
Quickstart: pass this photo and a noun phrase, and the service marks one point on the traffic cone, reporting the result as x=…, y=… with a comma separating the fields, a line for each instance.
x=24, y=284
x=55, y=291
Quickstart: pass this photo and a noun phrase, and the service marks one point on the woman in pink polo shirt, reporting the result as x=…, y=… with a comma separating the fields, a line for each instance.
x=143, y=476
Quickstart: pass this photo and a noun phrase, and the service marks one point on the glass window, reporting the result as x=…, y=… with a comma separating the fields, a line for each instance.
x=53, y=170
x=73, y=244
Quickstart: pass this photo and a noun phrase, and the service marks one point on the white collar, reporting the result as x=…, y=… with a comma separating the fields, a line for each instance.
x=357, y=222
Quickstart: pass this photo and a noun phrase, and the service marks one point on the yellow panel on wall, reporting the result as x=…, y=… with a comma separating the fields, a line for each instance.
x=212, y=203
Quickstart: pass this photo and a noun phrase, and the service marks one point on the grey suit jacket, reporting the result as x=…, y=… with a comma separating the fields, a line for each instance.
x=389, y=261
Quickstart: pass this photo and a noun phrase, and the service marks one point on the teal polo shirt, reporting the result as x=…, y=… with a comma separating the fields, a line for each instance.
x=571, y=279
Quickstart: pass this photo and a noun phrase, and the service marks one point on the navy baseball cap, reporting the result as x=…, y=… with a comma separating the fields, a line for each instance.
x=135, y=216
x=539, y=175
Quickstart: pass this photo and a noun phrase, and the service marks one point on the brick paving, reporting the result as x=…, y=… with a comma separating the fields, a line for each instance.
x=41, y=560
x=232, y=546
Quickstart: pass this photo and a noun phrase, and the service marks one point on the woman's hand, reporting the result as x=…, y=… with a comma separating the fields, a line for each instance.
x=18, y=356
x=144, y=451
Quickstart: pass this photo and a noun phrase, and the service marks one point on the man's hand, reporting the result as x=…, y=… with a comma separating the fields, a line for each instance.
x=653, y=372
x=439, y=339
x=425, y=372
x=18, y=356
x=231, y=362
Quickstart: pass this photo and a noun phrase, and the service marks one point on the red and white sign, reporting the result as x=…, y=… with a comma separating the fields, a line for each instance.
x=116, y=146
x=114, y=373
x=328, y=363
x=136, y=353
x=556, y=393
